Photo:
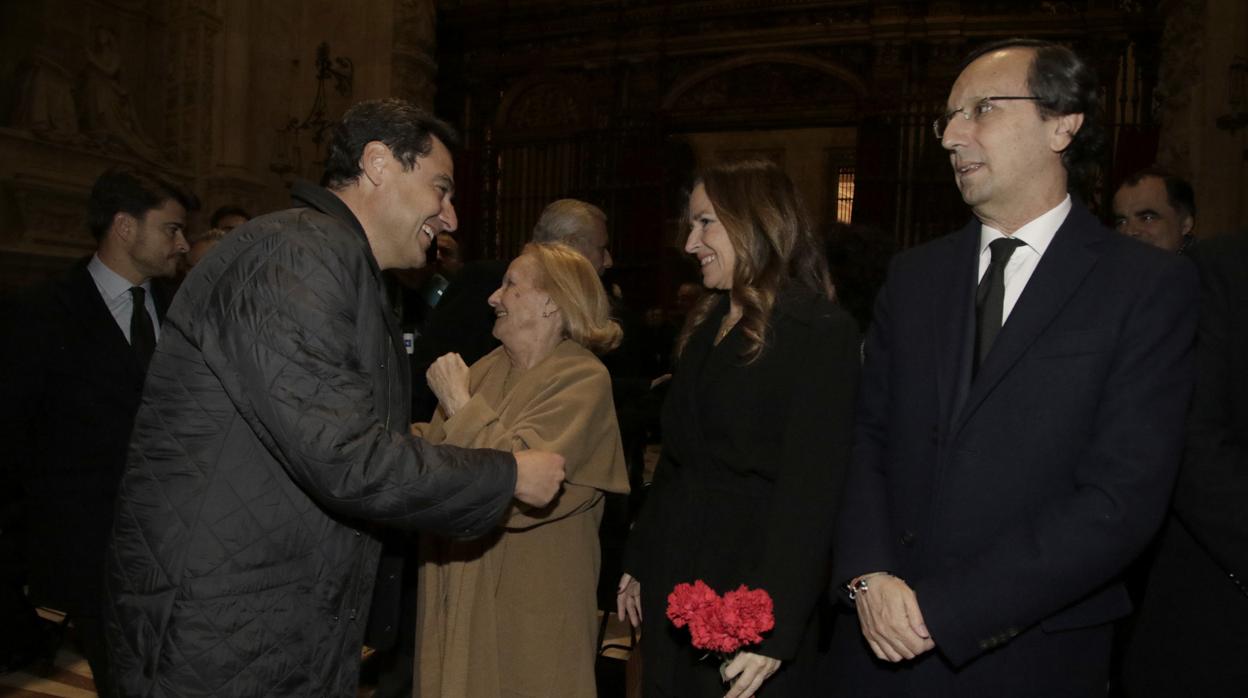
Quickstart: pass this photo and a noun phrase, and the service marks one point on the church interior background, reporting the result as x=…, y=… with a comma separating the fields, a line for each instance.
x=616, y=102
x=612, y=101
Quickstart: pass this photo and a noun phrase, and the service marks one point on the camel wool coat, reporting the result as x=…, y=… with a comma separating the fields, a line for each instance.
x=514, y=613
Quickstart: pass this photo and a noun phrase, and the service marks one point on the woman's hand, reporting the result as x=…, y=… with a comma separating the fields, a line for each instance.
x=628, y=599
x=448, y=379
x=750, y=671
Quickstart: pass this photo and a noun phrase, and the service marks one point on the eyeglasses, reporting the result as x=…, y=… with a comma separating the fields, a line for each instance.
x=981, y=107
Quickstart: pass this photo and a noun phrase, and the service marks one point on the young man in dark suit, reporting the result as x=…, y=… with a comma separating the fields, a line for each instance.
x=1021, y=411
x=75, y=353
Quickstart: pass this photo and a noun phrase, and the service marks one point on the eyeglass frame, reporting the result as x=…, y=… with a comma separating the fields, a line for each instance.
x=947, y=117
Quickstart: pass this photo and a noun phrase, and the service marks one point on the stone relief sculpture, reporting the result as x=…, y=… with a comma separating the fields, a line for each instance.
x=108, y=114
x=45, y=103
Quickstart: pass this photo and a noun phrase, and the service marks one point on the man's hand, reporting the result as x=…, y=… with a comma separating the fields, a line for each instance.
x=448, y=379
x=750, y=671
x=891, y=621
x=538, y=476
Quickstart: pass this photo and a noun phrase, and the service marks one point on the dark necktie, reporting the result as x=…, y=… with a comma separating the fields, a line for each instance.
x=142, y=334
x=990, y=298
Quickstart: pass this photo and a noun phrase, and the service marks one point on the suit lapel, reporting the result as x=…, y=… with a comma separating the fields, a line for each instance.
x=1056, y=278
x=81, y=300
x=952, y=305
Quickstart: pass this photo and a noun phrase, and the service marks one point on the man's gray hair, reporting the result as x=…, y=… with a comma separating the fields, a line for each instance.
x=567, y=221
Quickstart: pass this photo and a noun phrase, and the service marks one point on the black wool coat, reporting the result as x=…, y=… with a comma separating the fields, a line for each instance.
x=1198, y=586
x=744, y=493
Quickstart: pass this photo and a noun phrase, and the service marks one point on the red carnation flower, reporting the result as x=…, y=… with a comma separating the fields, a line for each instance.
x=687, y=600
x=722, y=625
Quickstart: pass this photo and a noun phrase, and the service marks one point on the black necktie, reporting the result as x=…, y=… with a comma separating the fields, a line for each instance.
x=142, y=334
x=990, y=297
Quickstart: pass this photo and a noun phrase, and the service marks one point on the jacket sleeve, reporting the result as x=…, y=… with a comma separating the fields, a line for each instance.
x=1075, y=543
x=571, y=415
x=813, y=459
x=285, y=342
x=646, y=537
x=863, y=531
x=1213, y=483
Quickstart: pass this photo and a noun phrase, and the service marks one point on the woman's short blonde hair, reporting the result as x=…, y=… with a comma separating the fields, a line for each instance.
x=570, y=280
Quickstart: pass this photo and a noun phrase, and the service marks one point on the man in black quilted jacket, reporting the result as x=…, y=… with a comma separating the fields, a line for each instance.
x=272, y=440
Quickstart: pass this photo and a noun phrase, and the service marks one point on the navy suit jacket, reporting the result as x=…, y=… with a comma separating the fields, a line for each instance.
x=1015, y=499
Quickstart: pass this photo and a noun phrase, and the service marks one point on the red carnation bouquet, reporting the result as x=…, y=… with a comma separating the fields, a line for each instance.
x=721, y=624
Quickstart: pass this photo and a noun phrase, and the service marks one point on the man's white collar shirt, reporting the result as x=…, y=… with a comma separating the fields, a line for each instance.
x=115, y=290
x=1035, y=236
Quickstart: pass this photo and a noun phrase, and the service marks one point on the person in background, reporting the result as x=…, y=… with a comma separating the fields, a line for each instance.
x=200, y=244
x=1157, y=207
x=228, y=217
x=1198, y=585
x=756, y=438
x=75, y=353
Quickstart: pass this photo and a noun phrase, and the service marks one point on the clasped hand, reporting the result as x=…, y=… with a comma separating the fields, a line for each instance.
x=448, y=379
x=748, y=671
x=891, y=621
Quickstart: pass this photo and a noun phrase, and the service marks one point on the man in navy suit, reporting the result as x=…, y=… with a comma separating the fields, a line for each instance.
x=1021, y=411
x=75, y=352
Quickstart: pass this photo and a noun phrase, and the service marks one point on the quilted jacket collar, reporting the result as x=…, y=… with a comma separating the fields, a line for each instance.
x=308, y=194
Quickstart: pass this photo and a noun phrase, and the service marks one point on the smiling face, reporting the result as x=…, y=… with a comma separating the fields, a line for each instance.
x=414, y=206
x=1006, y=160
x=708, y=242
x=1143, y=211
x=523, y=312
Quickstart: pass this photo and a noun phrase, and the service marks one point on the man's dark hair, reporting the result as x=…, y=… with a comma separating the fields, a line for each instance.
x=1064, y=84
x=227, y=210
x=127, y=191
x=402, y=126
x=1179, y=192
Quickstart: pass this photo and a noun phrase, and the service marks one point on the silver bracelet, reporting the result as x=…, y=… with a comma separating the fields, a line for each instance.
x=854, y=588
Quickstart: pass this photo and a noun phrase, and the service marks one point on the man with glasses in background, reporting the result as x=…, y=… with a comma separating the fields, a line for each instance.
x=1021, y=410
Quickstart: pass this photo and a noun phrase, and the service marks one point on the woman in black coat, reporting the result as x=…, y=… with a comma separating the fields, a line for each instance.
x=757, y=429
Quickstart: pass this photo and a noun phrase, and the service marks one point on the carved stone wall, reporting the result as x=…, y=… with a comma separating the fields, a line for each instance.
x=1202, y=39
x=196, y=90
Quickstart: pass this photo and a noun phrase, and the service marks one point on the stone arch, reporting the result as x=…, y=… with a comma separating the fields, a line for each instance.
x=541, y=102
x=837, y=73
x=765, y=89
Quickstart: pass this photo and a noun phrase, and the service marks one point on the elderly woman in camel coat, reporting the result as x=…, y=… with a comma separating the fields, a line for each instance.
x=514, y=613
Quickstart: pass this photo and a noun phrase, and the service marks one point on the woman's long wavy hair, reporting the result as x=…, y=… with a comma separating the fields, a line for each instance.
x=772, y=239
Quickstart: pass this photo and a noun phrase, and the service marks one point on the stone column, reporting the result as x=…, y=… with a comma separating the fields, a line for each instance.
x=415, y=71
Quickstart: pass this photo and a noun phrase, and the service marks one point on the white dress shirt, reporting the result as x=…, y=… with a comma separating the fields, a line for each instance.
x=1035, y=236
x=115, y=290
